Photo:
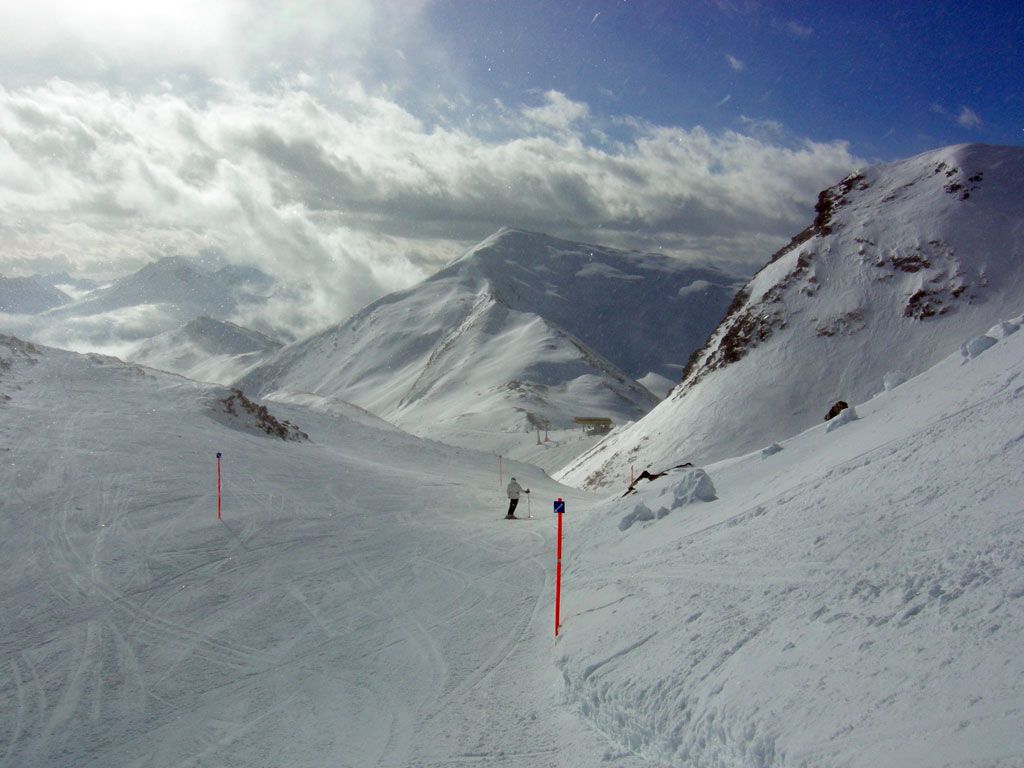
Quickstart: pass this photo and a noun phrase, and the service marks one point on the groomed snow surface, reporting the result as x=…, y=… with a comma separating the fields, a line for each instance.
x=853, y=599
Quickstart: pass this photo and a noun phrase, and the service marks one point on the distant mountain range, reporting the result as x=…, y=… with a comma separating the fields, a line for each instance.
x=205, y=349
x=29, y=295
x=186, y=289
x=524, y=330
x=162, y=297
x=902, y=263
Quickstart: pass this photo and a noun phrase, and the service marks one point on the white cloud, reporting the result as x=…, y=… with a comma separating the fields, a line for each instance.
x=968, y=118
x=356, y=196
x=765, y=128
x=559, y=111
x=144, y=40
x=736, y=64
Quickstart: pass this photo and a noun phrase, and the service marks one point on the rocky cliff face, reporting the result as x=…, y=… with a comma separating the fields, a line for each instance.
x=901, y=263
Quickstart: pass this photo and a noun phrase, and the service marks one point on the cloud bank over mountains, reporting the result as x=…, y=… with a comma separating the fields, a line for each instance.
x=360, y=180
x=363, y=194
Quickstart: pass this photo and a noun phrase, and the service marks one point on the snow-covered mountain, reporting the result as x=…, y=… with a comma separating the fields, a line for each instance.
x=181, y=285
x=205, y=349
x=902, y=262
x=523, y=330
x=75, y=287
x=29, y=295
x=157, y=299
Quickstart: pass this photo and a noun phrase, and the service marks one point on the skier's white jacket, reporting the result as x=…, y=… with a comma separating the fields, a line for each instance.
x=514, y=489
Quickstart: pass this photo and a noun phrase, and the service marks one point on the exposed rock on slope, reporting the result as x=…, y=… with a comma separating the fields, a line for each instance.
x=902, y=262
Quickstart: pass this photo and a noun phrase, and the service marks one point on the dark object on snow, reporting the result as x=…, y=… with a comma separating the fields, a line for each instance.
x=645, y=475
x=514, y=489
x=835, y=410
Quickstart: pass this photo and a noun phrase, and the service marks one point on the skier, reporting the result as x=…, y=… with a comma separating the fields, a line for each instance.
x=514, y=489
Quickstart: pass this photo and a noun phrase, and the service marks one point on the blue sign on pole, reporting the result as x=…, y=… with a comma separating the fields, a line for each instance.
x=559, y=507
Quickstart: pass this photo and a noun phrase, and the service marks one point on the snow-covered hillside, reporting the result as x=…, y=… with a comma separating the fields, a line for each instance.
x=902, y=262
x=205, y=349
x=853, y=596
x=360, y=603
x=523, y=330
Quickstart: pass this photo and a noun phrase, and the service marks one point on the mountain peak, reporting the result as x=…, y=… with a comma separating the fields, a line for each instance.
x=902, y=262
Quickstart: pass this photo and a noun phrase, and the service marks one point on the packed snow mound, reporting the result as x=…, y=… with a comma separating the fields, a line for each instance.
x=902, y=261
x=659, y=385
x=843, y=418
x=690, y=485
x=695, y=485
x=523, y=333
x=1003, y=328
x=974, y=347
x=892, y=380
x=837, y=588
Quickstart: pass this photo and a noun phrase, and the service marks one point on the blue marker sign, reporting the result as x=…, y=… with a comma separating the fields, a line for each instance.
x=559, y=507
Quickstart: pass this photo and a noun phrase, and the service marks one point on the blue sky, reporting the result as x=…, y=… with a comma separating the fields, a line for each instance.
x=358, y=145
x=892, y=78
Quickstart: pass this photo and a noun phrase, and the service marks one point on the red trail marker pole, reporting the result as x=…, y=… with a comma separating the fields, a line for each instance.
x=559, y=513
x=218, y=485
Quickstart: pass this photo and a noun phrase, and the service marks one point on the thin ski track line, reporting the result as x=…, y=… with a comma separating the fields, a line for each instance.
x=234, y=734
x=493, y=662
x=19, y=692
x=224, y=652
x=416, y=634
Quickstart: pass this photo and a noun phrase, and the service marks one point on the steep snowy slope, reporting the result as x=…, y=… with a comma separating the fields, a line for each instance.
x=853, y=597
x=902, y=261
x=205, y=349
x=522, y=330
